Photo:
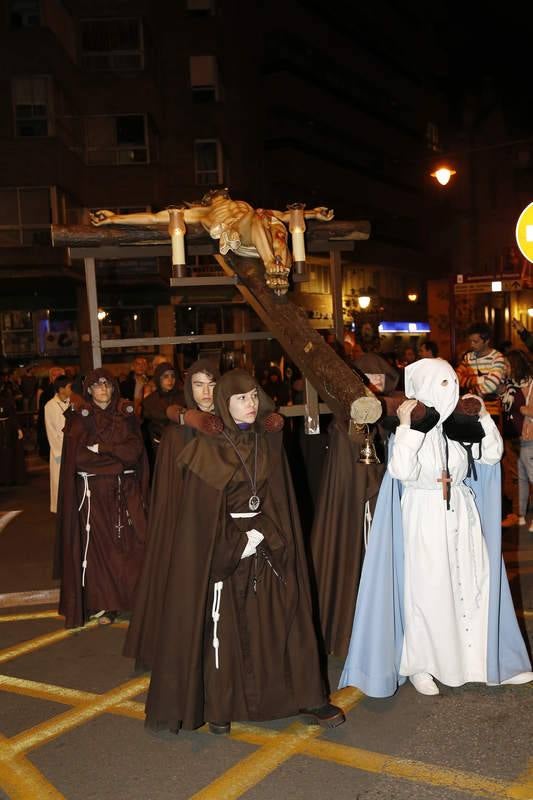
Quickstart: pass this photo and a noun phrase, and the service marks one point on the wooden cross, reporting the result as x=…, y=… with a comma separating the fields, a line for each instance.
x=445, y=480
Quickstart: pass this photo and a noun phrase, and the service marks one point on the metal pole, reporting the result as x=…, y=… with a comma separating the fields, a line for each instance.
x=336, y=293
x=92, y=302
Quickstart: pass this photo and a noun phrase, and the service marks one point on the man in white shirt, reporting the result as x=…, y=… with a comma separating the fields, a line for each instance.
x=54, y=418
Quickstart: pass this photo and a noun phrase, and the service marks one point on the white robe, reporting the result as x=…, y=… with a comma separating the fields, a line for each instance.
x=446, y=565
x=54, y=420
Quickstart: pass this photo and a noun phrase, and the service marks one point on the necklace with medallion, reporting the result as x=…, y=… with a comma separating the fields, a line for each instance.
x=254, y=502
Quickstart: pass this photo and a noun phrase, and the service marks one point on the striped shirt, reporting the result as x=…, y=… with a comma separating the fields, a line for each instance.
x=481, y=374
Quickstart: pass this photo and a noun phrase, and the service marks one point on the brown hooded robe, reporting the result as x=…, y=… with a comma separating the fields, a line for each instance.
x=337, y=542
x=162, y=528
x=268, y=655
x=117, y=479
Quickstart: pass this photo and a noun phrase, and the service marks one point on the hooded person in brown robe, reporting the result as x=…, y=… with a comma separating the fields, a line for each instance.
x=101, y=505
x=154, y=407
x=347, y=497
x=236, y=640
x=163, y=518
x=12, y=466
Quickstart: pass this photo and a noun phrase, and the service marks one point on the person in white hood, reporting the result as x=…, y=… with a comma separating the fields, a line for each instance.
x=446, y=591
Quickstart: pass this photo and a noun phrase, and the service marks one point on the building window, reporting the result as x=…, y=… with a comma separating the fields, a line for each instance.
x=204, y=78
x=24, y=13
x=112, y=44
x=117, y=140
x=25, y=216
x=31, y=104
x=432, y=137
x=208, y=162
x=201, y=6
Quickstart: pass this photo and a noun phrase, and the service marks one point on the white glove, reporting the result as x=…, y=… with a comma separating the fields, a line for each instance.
x=254, y=538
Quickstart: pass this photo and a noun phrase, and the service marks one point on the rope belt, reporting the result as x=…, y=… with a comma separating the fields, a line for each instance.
x=217, y=595
x=87, y=496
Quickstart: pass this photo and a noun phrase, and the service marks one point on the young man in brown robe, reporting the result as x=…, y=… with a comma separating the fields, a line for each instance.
x=236, y=639
x=163, y=518
x=102, y=505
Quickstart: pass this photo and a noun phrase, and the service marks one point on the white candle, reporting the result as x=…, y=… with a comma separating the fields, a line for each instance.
x=178, y=247
x=298, y=245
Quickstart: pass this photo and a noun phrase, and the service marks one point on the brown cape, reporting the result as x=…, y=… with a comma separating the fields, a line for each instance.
x=114, y=556
x=162, y=528
x=269, y=662
x=12, y=465
x=337, y=535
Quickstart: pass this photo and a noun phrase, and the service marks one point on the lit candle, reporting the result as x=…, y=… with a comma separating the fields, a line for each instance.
x=297, y=228
x=176, y=228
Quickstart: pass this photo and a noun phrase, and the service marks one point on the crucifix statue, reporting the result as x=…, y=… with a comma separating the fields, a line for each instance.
x=246, y=231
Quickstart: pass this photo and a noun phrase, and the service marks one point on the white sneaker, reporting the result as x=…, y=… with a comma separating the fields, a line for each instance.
x=522, y=521
x=424, y=683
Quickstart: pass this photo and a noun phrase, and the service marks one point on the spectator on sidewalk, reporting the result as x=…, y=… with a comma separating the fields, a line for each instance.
x=54, y=420
x=517, y=401
x=428, y=349
x=482, y=369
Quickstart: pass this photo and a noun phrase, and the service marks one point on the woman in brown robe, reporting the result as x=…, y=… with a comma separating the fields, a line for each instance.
x=102, y=504
x=154, y=407
x=236, y=640
x=163, y=526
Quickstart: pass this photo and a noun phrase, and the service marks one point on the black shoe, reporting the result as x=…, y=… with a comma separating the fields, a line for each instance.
x=328, y=715
x=219, y=728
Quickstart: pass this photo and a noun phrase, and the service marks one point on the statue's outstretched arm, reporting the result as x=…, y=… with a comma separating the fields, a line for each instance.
x=320, y=212
x=104, y=217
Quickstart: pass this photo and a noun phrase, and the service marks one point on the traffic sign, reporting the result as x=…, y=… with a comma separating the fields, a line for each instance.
x=524, y=232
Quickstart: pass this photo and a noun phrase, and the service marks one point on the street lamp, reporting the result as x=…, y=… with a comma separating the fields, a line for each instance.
x=443, y=175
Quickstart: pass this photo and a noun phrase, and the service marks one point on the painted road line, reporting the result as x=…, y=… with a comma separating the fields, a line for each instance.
x=45, y=691
x=522, y=788
x=254, y=768
x=36, y=597
x=415, y=771
x=29, y=616
x=57, y=726
x=47, y=639
x=20, y=779
x=283, y=745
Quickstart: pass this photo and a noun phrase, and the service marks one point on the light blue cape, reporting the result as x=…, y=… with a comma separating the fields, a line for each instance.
x=375, y=651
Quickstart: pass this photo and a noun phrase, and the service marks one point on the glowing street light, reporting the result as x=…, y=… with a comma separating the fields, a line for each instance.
x=443, y=175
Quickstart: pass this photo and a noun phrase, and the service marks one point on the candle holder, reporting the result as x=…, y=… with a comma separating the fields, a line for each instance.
x=297, y=229
x=177, y=230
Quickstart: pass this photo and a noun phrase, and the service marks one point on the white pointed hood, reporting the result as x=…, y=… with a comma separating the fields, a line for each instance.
x=433, y=381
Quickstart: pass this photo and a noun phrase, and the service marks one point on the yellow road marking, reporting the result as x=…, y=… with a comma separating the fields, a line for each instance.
x=522, y=788
x=31, y=645
x=253, y=769
x=29, y=615
x=20, y=779
x=282, y=746
x=408, y=769
x=62, y=723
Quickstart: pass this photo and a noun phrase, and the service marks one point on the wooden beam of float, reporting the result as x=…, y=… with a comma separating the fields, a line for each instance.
x=343, y=391
x=92, y=236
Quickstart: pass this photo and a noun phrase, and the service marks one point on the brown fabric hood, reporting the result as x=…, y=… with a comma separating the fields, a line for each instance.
x=238, y=381
x=93, y=377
